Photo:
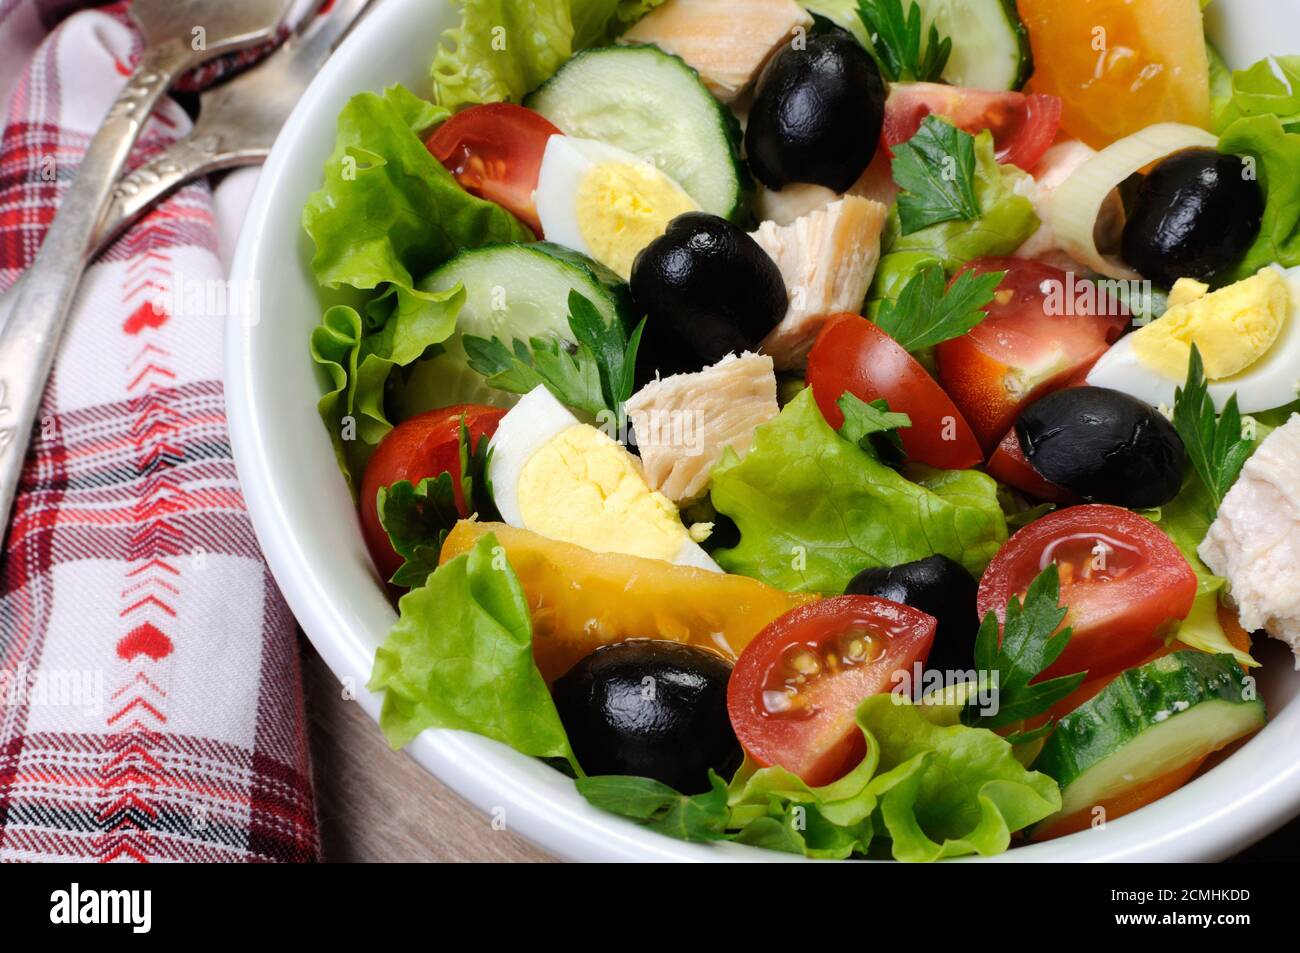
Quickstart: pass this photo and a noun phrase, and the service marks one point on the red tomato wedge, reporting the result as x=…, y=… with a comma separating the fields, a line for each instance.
x=1123, y=580
x=1034, y=340
x=423, y=446
x=1009, y=465
x=852, y=354
x=796, y=686
x=1023, y=124
x=495, y=152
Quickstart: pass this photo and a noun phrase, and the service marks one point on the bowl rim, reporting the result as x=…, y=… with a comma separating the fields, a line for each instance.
x=1209, y=818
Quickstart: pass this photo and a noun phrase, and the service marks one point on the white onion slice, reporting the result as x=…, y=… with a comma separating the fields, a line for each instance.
x=1078, y=201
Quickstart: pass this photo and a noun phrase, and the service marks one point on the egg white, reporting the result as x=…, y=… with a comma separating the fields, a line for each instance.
x=566, y=161
x=537, y=419
x=1269, y=382
x=528, y=426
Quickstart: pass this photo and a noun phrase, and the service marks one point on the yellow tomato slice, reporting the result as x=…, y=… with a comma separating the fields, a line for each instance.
x=1120, y=66
x=582, y=600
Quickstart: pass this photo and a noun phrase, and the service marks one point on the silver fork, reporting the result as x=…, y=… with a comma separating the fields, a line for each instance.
x=238, y=120
x=179, y=35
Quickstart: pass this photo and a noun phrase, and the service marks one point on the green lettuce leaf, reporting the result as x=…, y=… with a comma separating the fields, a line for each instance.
x=813, y=509
x=931, y=790
x=1270, y=87
x=1220, y=88
x=1006, y=219
x=949, y=791
x=695, y=818
x=774, y=809
x=1277, y=156
x=1261, y=119
x=1186, y=519
x=461, y=656
x=358, y=363
x=388, y=213
x=504, y=49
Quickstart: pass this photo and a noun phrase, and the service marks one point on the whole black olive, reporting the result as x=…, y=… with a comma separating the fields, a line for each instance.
x=1195, y=213
x=650, y=708
x=936, y=585
x=1104, y=446
x=817, y=113
x=707, y=289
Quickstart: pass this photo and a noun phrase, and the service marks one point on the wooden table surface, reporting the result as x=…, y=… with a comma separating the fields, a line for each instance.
x=378, y=805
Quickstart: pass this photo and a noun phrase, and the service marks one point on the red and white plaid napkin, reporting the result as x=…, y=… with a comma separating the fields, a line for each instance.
x=150, y=696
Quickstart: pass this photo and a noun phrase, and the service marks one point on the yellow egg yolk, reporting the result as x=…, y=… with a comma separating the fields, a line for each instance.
x=621, y=208
x=1232, y=327
x=1186, y=290
x=583, y=488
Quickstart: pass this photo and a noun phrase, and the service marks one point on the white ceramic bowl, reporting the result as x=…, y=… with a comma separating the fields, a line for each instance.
x=309, y=531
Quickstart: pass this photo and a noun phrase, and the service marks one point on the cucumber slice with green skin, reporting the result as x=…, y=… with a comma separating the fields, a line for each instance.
x=511, y=291
x=1148, y=722
x=653, y=105
x=990, y=46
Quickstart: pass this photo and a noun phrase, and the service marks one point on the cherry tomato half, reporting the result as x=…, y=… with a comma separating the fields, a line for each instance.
x=423, y=446
x=1123, y=580
x=1009, y=465
x=796, y=687
x=495, y=152
x=1023, y=124
x=852, y=354
x=1035, y=340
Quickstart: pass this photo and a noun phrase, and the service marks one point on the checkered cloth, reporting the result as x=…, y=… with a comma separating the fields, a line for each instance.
x=150, y=696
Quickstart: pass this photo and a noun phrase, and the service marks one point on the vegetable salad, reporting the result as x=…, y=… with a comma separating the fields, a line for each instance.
x=853, y=428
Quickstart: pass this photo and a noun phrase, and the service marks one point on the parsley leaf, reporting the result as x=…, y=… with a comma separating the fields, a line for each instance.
x=418, y=518
x=873, y=426
x=1028, y=647
x=1215, y=444
x=696, y=817
x=925, y=314
x=896, y=41
x=597, y=375
x=936, y=171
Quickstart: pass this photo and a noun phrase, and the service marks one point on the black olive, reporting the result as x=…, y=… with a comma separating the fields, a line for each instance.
x=817, y=113
x=940, y=587
x=707, y=290
x=1104, y=446
x=652, y=709
x=1195, y=213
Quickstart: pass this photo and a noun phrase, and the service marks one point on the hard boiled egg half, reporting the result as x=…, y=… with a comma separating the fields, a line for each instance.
x=603, y=201
x=566, y=480
x=1248, y=335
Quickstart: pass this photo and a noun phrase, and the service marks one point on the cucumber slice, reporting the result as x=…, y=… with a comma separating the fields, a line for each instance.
x=653, y=105
x=511, y=291
x=1146, y=723
x=990, y=46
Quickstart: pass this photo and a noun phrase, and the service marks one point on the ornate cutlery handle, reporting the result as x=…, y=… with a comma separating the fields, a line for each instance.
x=144, y=186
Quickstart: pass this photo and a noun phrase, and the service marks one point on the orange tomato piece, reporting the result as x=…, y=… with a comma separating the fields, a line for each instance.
x=581, y=600
x=1120, y=66
x=1238, y=637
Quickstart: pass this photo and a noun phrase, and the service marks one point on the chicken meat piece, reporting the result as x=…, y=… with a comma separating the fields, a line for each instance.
x=1254, y=541
x=685, y=422
x=800, y=198
x=725, y=41
x=827, y=258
